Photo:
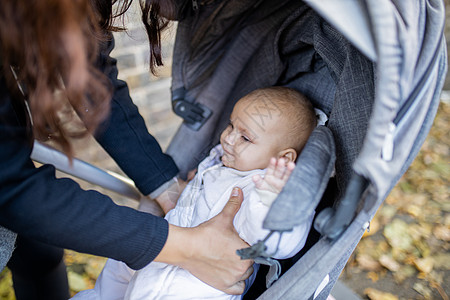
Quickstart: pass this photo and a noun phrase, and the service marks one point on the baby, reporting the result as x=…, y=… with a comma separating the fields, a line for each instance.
x=268, y=128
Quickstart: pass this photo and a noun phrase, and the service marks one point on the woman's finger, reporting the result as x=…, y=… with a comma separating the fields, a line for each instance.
x=248, y=273
x=236, y=289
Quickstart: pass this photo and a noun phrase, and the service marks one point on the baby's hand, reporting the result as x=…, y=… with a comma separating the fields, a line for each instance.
x=169, y=198
x=276, y=176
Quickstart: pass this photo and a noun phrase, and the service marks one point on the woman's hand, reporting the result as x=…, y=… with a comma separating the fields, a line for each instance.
x=208, y=251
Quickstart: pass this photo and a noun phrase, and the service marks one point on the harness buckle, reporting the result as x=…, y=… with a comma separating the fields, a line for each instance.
x=193, y=114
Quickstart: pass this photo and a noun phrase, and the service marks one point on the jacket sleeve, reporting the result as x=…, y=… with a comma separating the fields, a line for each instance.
x=249, y=224
x=125, y=137
x=34, y=203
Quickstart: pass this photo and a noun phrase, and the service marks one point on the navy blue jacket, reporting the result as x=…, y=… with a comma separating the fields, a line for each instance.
x=35, y=204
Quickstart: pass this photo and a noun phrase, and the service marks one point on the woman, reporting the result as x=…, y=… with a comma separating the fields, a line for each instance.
x=50, y=48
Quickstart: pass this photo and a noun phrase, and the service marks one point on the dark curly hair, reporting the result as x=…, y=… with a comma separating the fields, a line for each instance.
x=52, y=46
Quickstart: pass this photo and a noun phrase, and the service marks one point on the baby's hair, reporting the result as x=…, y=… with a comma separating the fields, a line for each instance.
x=296, y=109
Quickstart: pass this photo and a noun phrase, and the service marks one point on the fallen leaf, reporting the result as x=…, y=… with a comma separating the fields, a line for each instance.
x=423, y=248
x=389, y=263
x=405, y=186
x=382, y=247
x=421, y=275
x=409, y=259
x=6, y=283
x=420, y=199
x=418, y=231
x=414, y=210
x=397, y=235
x=368, y=247
x=373, y=276
x=367, y=263
x=404, y=272
x=440, y=195
x=400, y=255
x=76, y=282
x=442, y=232
x=393, y=196
x=422, y=289
x=93, y=269
x=374, y=294
x=424, y=265
x=387, y=212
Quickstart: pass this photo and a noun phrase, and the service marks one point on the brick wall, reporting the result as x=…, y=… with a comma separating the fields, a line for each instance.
x=151, y=94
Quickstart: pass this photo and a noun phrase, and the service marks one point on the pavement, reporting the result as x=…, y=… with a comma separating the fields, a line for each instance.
x=341, y=292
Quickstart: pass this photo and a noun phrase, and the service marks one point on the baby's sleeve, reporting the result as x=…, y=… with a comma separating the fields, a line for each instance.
x=249, y=220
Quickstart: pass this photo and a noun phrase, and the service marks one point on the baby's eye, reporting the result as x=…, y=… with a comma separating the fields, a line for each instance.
x=246, y=139
x=230, y=125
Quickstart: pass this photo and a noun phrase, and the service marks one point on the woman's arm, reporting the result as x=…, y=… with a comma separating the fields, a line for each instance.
x=36, y=204
x=125, y=137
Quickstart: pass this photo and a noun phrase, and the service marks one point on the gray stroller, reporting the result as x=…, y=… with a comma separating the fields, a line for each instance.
x=374, y=67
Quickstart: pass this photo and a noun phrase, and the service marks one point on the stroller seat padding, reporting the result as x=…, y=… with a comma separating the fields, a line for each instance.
x=306, y=185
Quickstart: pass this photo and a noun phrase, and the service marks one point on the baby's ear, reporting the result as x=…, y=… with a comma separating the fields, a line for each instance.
x=288, y=154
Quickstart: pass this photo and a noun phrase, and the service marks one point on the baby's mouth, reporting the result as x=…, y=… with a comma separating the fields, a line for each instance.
x=226, y=152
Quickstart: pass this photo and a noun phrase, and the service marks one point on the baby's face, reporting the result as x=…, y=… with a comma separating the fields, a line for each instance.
x=254, y=135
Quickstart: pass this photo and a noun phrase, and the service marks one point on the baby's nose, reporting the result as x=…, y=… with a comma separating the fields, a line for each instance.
x=231, y=137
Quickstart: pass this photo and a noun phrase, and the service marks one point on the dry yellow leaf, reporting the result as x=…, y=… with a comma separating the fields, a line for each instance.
x=76, y=281
x=367, y=263
x=424, y=265
x=422, y=289
x=373, y=276
x=410, y=259
x=405, y=271
x=422, y=275
x=397, y=235
x=423, y=248
x=418, y=231
x=389, y=263
x=375, y=294
x=414, y=210
x=442, y=232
